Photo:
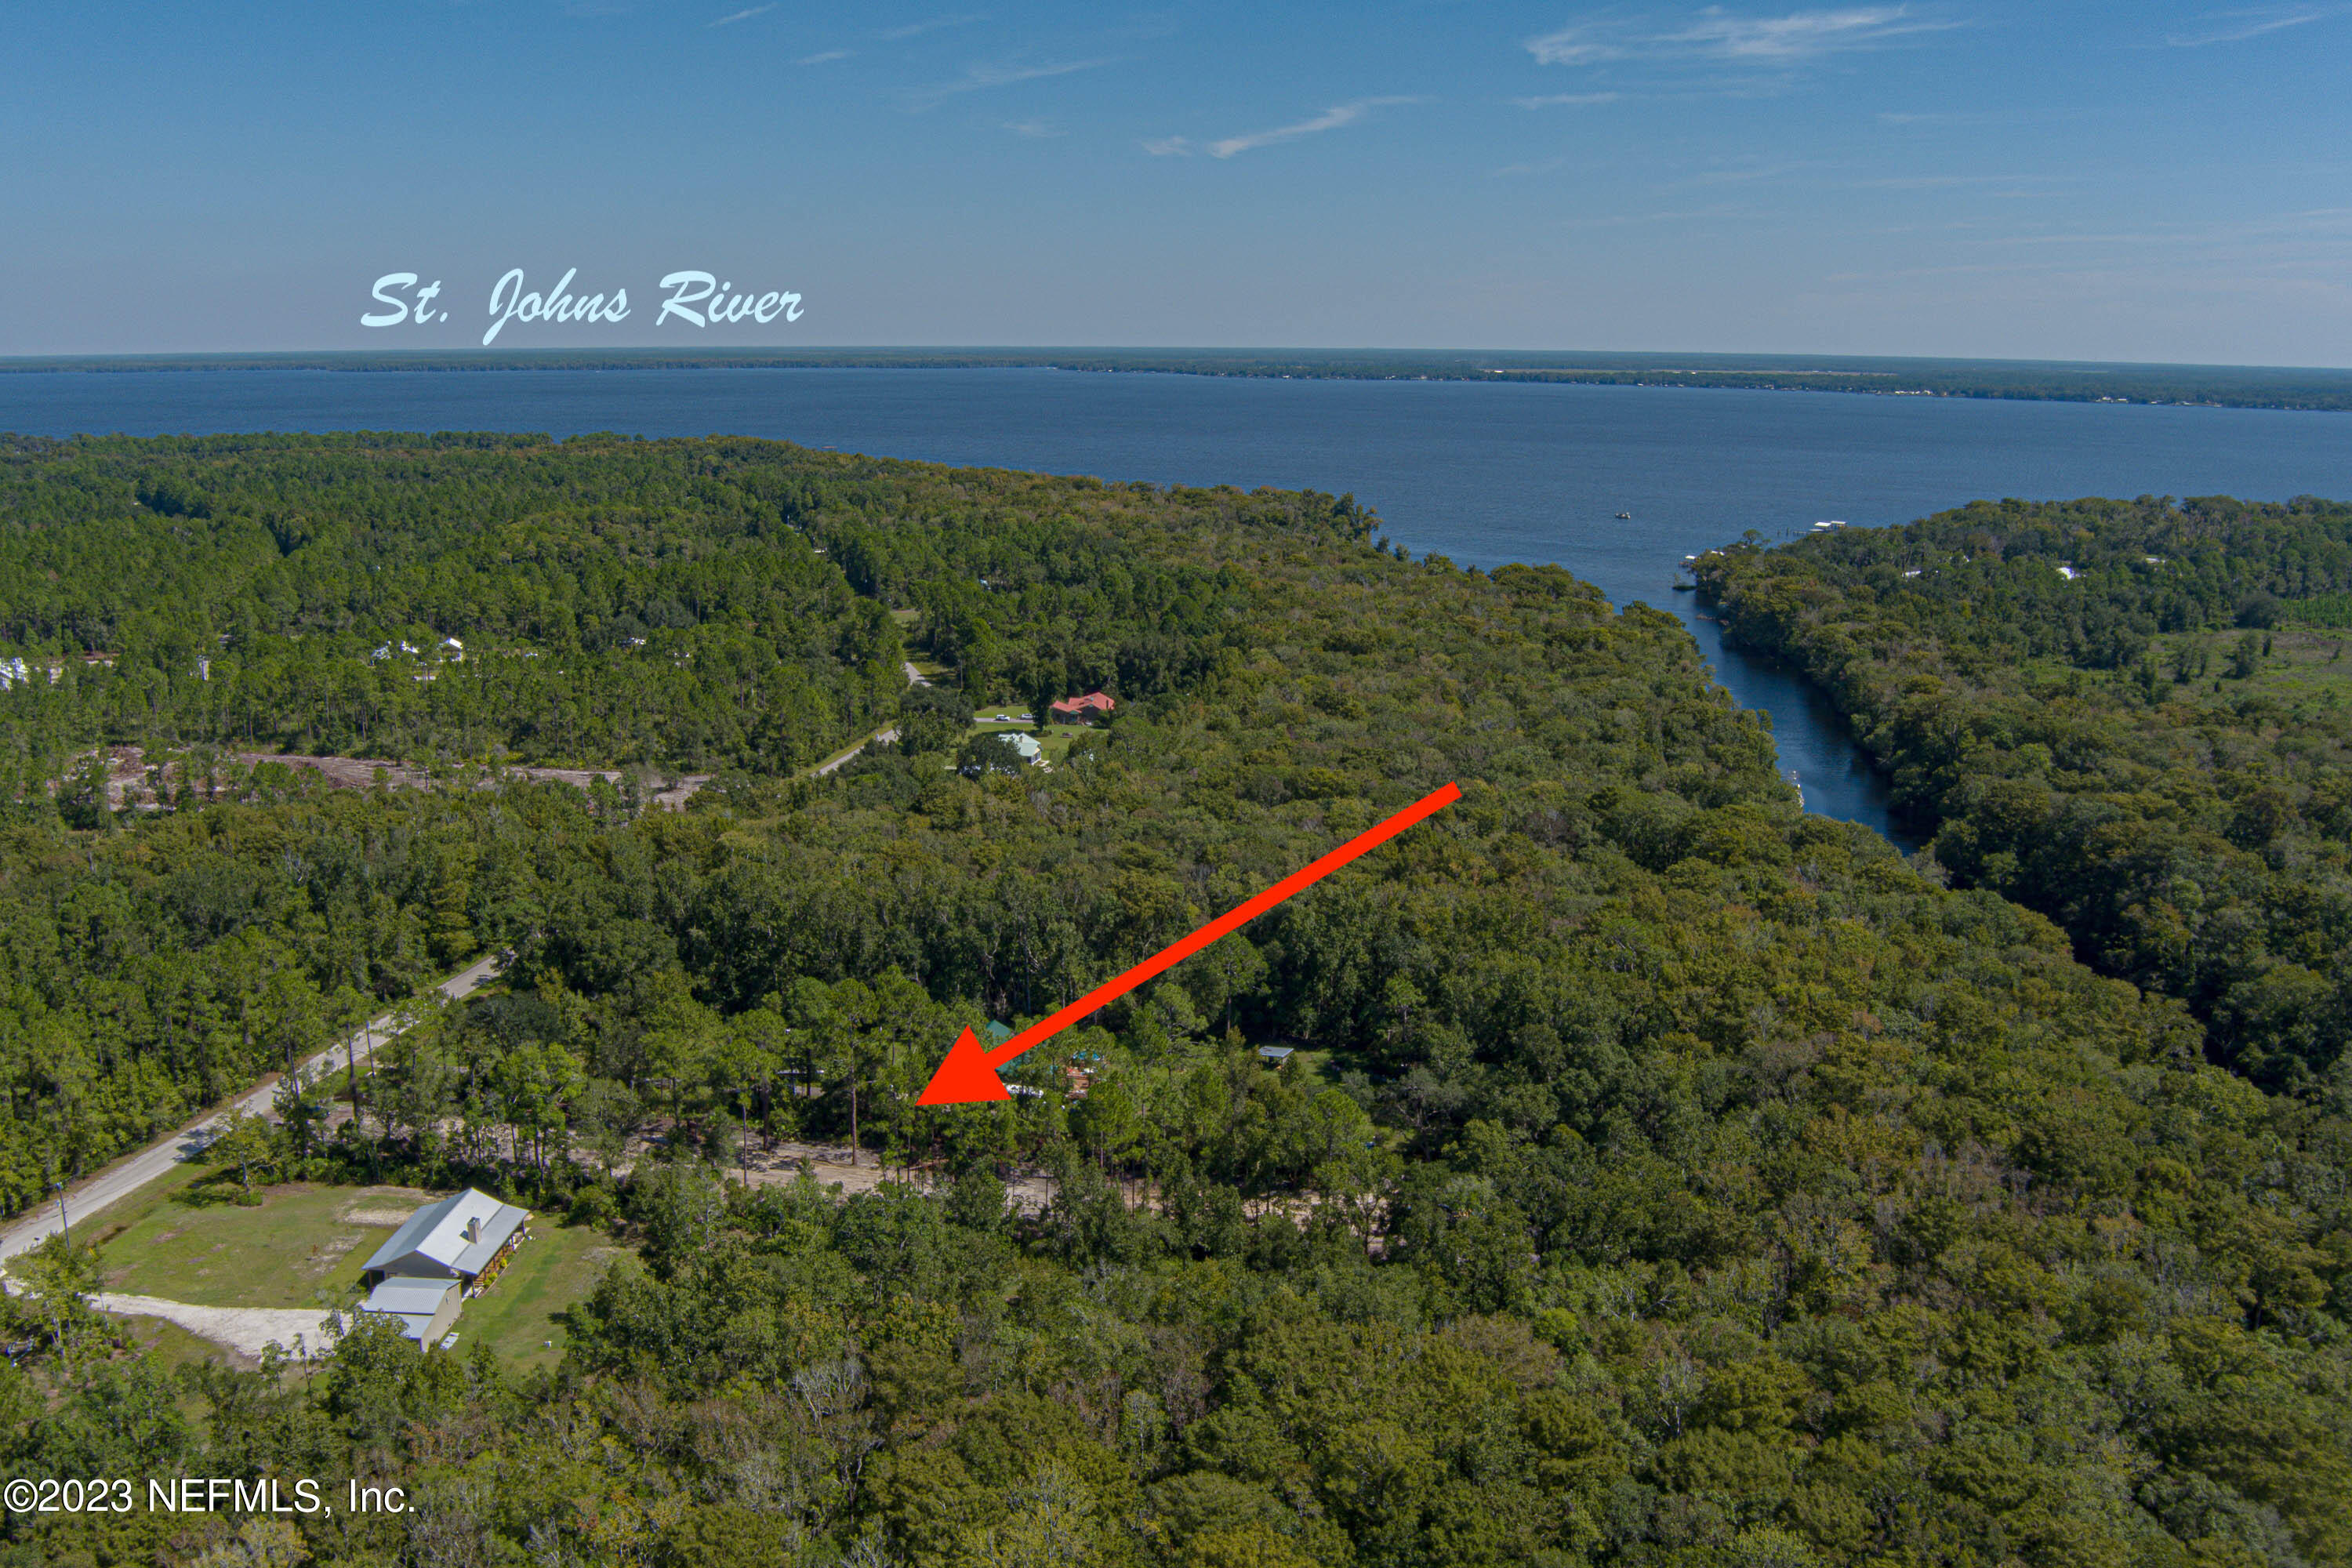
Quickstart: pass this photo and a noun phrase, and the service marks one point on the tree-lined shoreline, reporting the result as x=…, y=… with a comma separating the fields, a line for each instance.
x=2230, y=386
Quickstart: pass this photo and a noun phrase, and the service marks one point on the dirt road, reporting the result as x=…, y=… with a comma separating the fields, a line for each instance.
x=96, y=1193
x=129, y=785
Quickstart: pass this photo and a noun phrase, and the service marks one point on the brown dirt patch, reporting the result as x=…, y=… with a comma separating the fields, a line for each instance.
x=329, y=1253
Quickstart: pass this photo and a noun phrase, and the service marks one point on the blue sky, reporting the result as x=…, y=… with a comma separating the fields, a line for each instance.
x=1974, y=177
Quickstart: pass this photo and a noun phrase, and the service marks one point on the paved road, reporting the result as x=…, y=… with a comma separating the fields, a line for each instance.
x=879, y=737
x=133, y=1171
x=136, y=1171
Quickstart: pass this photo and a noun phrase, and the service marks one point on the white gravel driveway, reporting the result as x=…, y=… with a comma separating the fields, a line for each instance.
x=248, y=1330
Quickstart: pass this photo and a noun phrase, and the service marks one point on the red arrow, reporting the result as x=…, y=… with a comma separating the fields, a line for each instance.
x=970, y=1073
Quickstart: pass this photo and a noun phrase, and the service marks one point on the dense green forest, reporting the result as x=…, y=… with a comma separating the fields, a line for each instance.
x=613, y=603
x=2118, y=714
x=1665, y=1176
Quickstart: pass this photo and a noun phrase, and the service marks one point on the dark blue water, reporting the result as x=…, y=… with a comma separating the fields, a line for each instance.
x=1482, y=473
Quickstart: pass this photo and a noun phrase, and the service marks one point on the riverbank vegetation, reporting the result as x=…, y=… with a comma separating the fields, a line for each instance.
x=1669, y=1177
x=2233, y=386
x=2134, y=717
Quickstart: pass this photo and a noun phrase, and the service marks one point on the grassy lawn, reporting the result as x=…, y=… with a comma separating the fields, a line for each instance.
x=2304, y=662
x=172, y=1347
x=302, y=1246
x=1312, y=1068
x=2306, y=665
x=1053, y=743
x=112, y=1221
x=559, y=1265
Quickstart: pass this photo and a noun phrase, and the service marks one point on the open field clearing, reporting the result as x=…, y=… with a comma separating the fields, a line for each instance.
x=302, y=1247
x=557, y=1266
x=173, y=1347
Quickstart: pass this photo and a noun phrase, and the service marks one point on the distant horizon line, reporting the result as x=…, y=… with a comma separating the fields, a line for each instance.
x=2313, y=389
x=1035, y=353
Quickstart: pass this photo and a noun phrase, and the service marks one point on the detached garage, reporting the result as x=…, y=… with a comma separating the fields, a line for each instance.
x=426, y=1308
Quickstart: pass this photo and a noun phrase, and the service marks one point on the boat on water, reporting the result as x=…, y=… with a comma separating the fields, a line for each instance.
x=1683, y=582
x=1624, y=517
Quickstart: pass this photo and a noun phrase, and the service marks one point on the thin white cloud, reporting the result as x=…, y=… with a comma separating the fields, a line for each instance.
x=1332, y=118
x=1513, y=170
x=1546, y=101
x=2040, y=114
x=1719, y=36
x=1632, y=220
x=2312, y=223
x=2237, y=27
x=1037, y=130
x=1589, y=44
x=1169, y=146
x=827, y=58
x=1802, y=34
x=1741, y=174
x=744, y=15
x=1952, y=182
x=984, y=74
x=916, y=29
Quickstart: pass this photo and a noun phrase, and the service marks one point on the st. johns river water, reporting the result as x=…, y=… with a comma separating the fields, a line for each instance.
x=1482, y=473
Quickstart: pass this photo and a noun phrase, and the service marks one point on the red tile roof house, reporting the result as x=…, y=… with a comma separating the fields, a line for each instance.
x=1082, y=709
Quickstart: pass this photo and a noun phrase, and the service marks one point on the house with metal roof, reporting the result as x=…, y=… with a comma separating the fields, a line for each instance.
x=445, y=1252
x=426, y=1308
x=453, y=1239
